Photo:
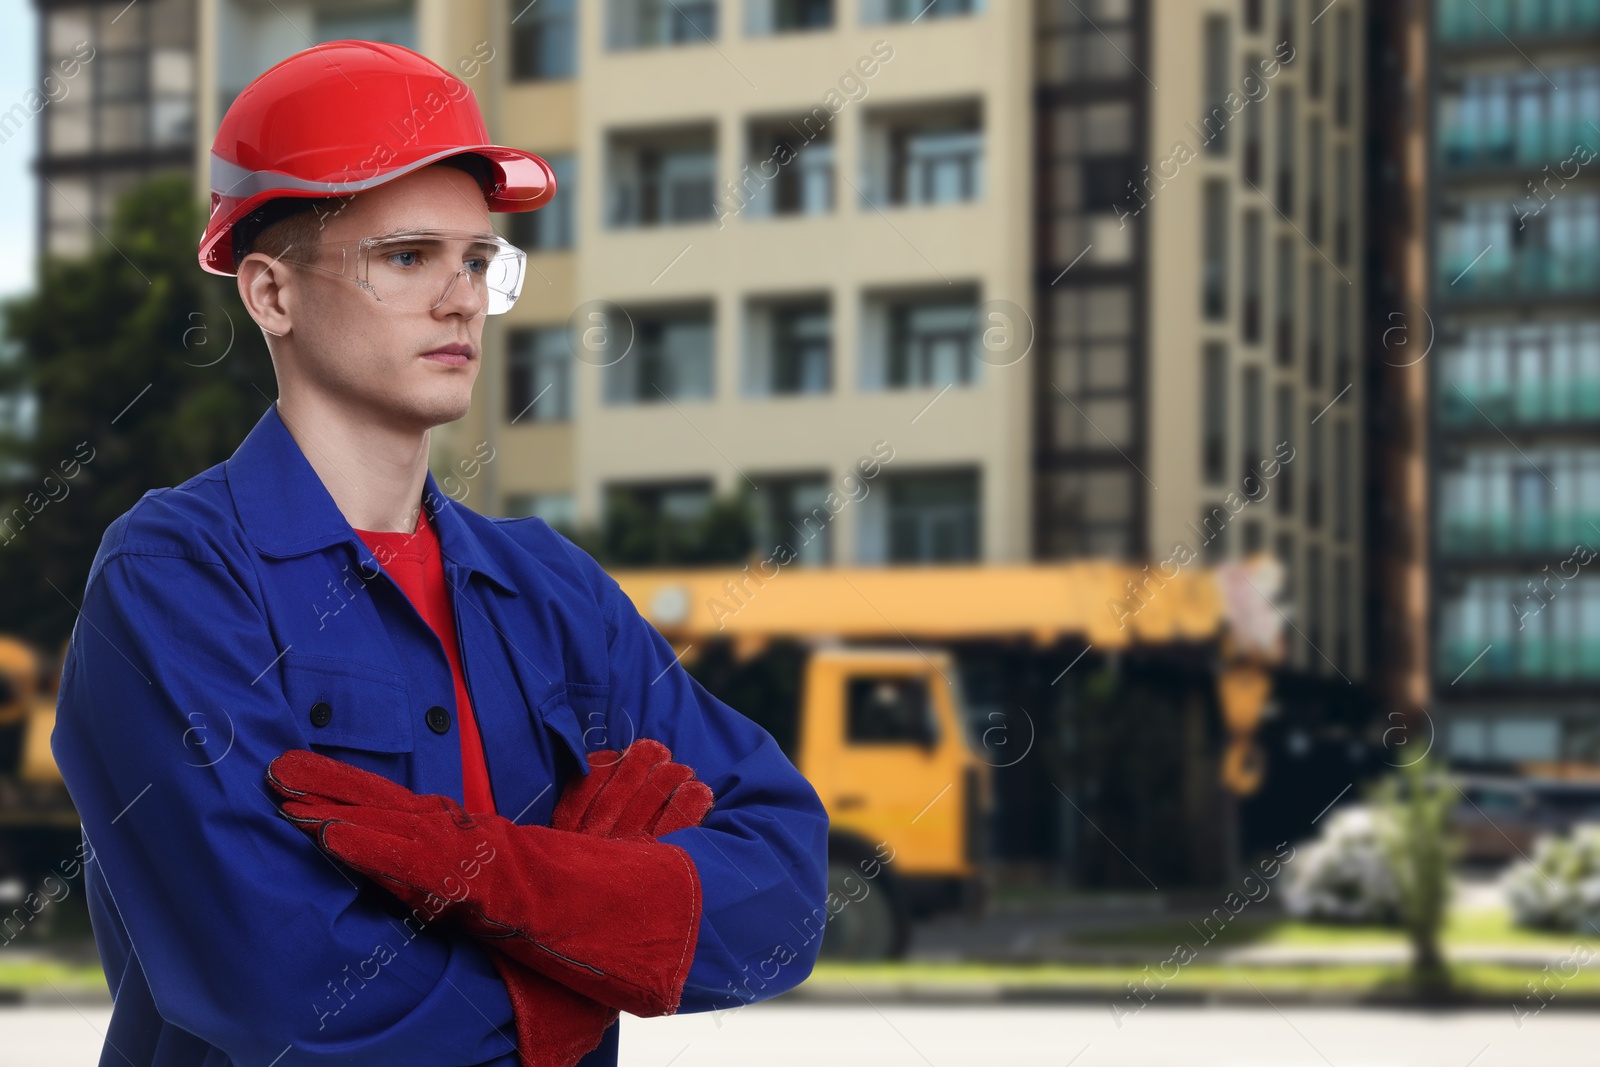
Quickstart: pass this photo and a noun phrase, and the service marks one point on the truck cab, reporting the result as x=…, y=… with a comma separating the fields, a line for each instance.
x=883, y=740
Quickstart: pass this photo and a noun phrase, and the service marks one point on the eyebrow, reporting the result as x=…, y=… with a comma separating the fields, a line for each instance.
x=486, y=243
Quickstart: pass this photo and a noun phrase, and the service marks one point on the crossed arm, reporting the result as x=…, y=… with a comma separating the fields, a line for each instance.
x=243, y=929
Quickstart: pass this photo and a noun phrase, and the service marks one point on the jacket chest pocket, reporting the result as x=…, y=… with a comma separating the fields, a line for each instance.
x=345, y=705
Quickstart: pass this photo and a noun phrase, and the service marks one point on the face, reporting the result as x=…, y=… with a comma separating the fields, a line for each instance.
x=369, y=357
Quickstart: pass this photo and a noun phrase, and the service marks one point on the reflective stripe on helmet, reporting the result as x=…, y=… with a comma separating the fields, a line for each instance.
x=230, y=179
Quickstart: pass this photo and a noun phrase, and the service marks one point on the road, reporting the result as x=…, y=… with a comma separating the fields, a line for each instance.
x=885, y=1034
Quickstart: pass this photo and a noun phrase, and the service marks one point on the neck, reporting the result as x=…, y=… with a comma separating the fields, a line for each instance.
x=374, y=471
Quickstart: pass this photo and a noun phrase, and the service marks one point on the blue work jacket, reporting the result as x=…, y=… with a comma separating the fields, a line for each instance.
x=238, y=615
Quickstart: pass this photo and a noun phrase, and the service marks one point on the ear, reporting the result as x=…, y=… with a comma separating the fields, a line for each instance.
x=266, y=286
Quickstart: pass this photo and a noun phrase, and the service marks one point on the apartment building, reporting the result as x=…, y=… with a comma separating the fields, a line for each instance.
x=1200, y=288
x=116, y=107
x=1515, y=380
x=931, y=281
x=971, y=235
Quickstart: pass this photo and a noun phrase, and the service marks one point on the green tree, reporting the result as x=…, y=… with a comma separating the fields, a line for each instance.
x=634, y=534
x=1418, y=842
x=146, y=371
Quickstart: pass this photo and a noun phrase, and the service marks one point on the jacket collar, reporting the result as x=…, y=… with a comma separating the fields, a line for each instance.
x=286, y=510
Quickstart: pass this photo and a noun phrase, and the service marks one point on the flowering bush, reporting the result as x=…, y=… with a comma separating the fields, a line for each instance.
x=1559, y=889
x=1346, y=875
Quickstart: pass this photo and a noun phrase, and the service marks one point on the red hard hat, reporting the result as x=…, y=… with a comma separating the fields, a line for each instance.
x=346, y=116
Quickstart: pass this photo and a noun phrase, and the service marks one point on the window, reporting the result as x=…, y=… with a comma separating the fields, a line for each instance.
x=1344, y=63
x=873, y=11
x=792, y=511
x=1213, y=530
x=1286, y=149
x=932, y=345
x=1316, y=59
x=1343, y=595
x=1286, y=22
x=538, y=375
x=925, y=156
x=1316, y=322
x=672, y=358
x=1087, y=203
x=1313, y=462
x=662, y=177
x=1315, y=607
x=1341, y=480
x=1090, y=396
x=1217, y=54
x=659, y=23
x=557, y=509
x=933, y=518
x=789, y=347
x=1085, y=41
x=1283, y=548
x=1286, y=432
x=1252, y=15
x=1284, y=330
x=651, y=523
x=1314, y=180
x=1343, y=359
x=1502, y=629
x=1255, y=537
x=924, y=338
x=891, y=710
x=550, y=228
x=799, y=155
x=1252, y=401
x=1090, y=511
x=134, y=99
x=1342, y=206
x=1251, y=161
x=1250, y=311
x=544, y=44
x=1535, y=246
x=1214, y=274
x=1214, y=413
x=766, y=17
x=390, y=23
x=1538, y=373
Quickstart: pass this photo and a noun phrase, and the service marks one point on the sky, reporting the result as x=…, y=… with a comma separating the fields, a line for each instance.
x=18, y=198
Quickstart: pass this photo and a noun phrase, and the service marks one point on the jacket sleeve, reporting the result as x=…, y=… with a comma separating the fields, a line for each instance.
x=762, y=851
x=251, y=938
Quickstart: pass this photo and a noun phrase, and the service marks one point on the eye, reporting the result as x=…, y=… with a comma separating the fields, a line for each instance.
x=405, y=258
x=478, y=264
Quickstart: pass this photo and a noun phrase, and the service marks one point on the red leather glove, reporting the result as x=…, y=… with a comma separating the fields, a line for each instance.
x=638, y=790
x=615, y=919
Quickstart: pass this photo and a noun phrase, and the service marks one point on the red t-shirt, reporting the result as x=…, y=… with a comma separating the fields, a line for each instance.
x=414, y=562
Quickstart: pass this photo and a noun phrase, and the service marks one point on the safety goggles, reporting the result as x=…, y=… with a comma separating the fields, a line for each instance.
x=418, y=269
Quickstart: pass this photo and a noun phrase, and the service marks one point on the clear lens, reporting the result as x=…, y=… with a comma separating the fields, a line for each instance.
x=418, y=271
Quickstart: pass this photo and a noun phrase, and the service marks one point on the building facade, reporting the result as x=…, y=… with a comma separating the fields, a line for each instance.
x=1515, y=381
x=118, y=92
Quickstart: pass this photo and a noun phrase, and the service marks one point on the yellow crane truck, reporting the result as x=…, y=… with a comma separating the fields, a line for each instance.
x=883, y=728
x=882, y=725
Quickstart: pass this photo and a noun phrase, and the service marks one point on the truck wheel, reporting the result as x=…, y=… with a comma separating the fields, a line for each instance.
x=871, y=922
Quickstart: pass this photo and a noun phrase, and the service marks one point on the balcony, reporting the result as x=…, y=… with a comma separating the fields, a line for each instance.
x=1512, y=145
x=1507, y=534
x=1539, y=403
x=1502, y=272
x=661, y=177
x=1491, y=21
x=1549, y=659
x=924, y=155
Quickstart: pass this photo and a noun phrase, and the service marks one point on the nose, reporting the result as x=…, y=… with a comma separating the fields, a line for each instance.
x=468, y=300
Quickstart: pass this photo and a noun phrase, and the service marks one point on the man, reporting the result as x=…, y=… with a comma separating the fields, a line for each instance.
x=367, y=777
